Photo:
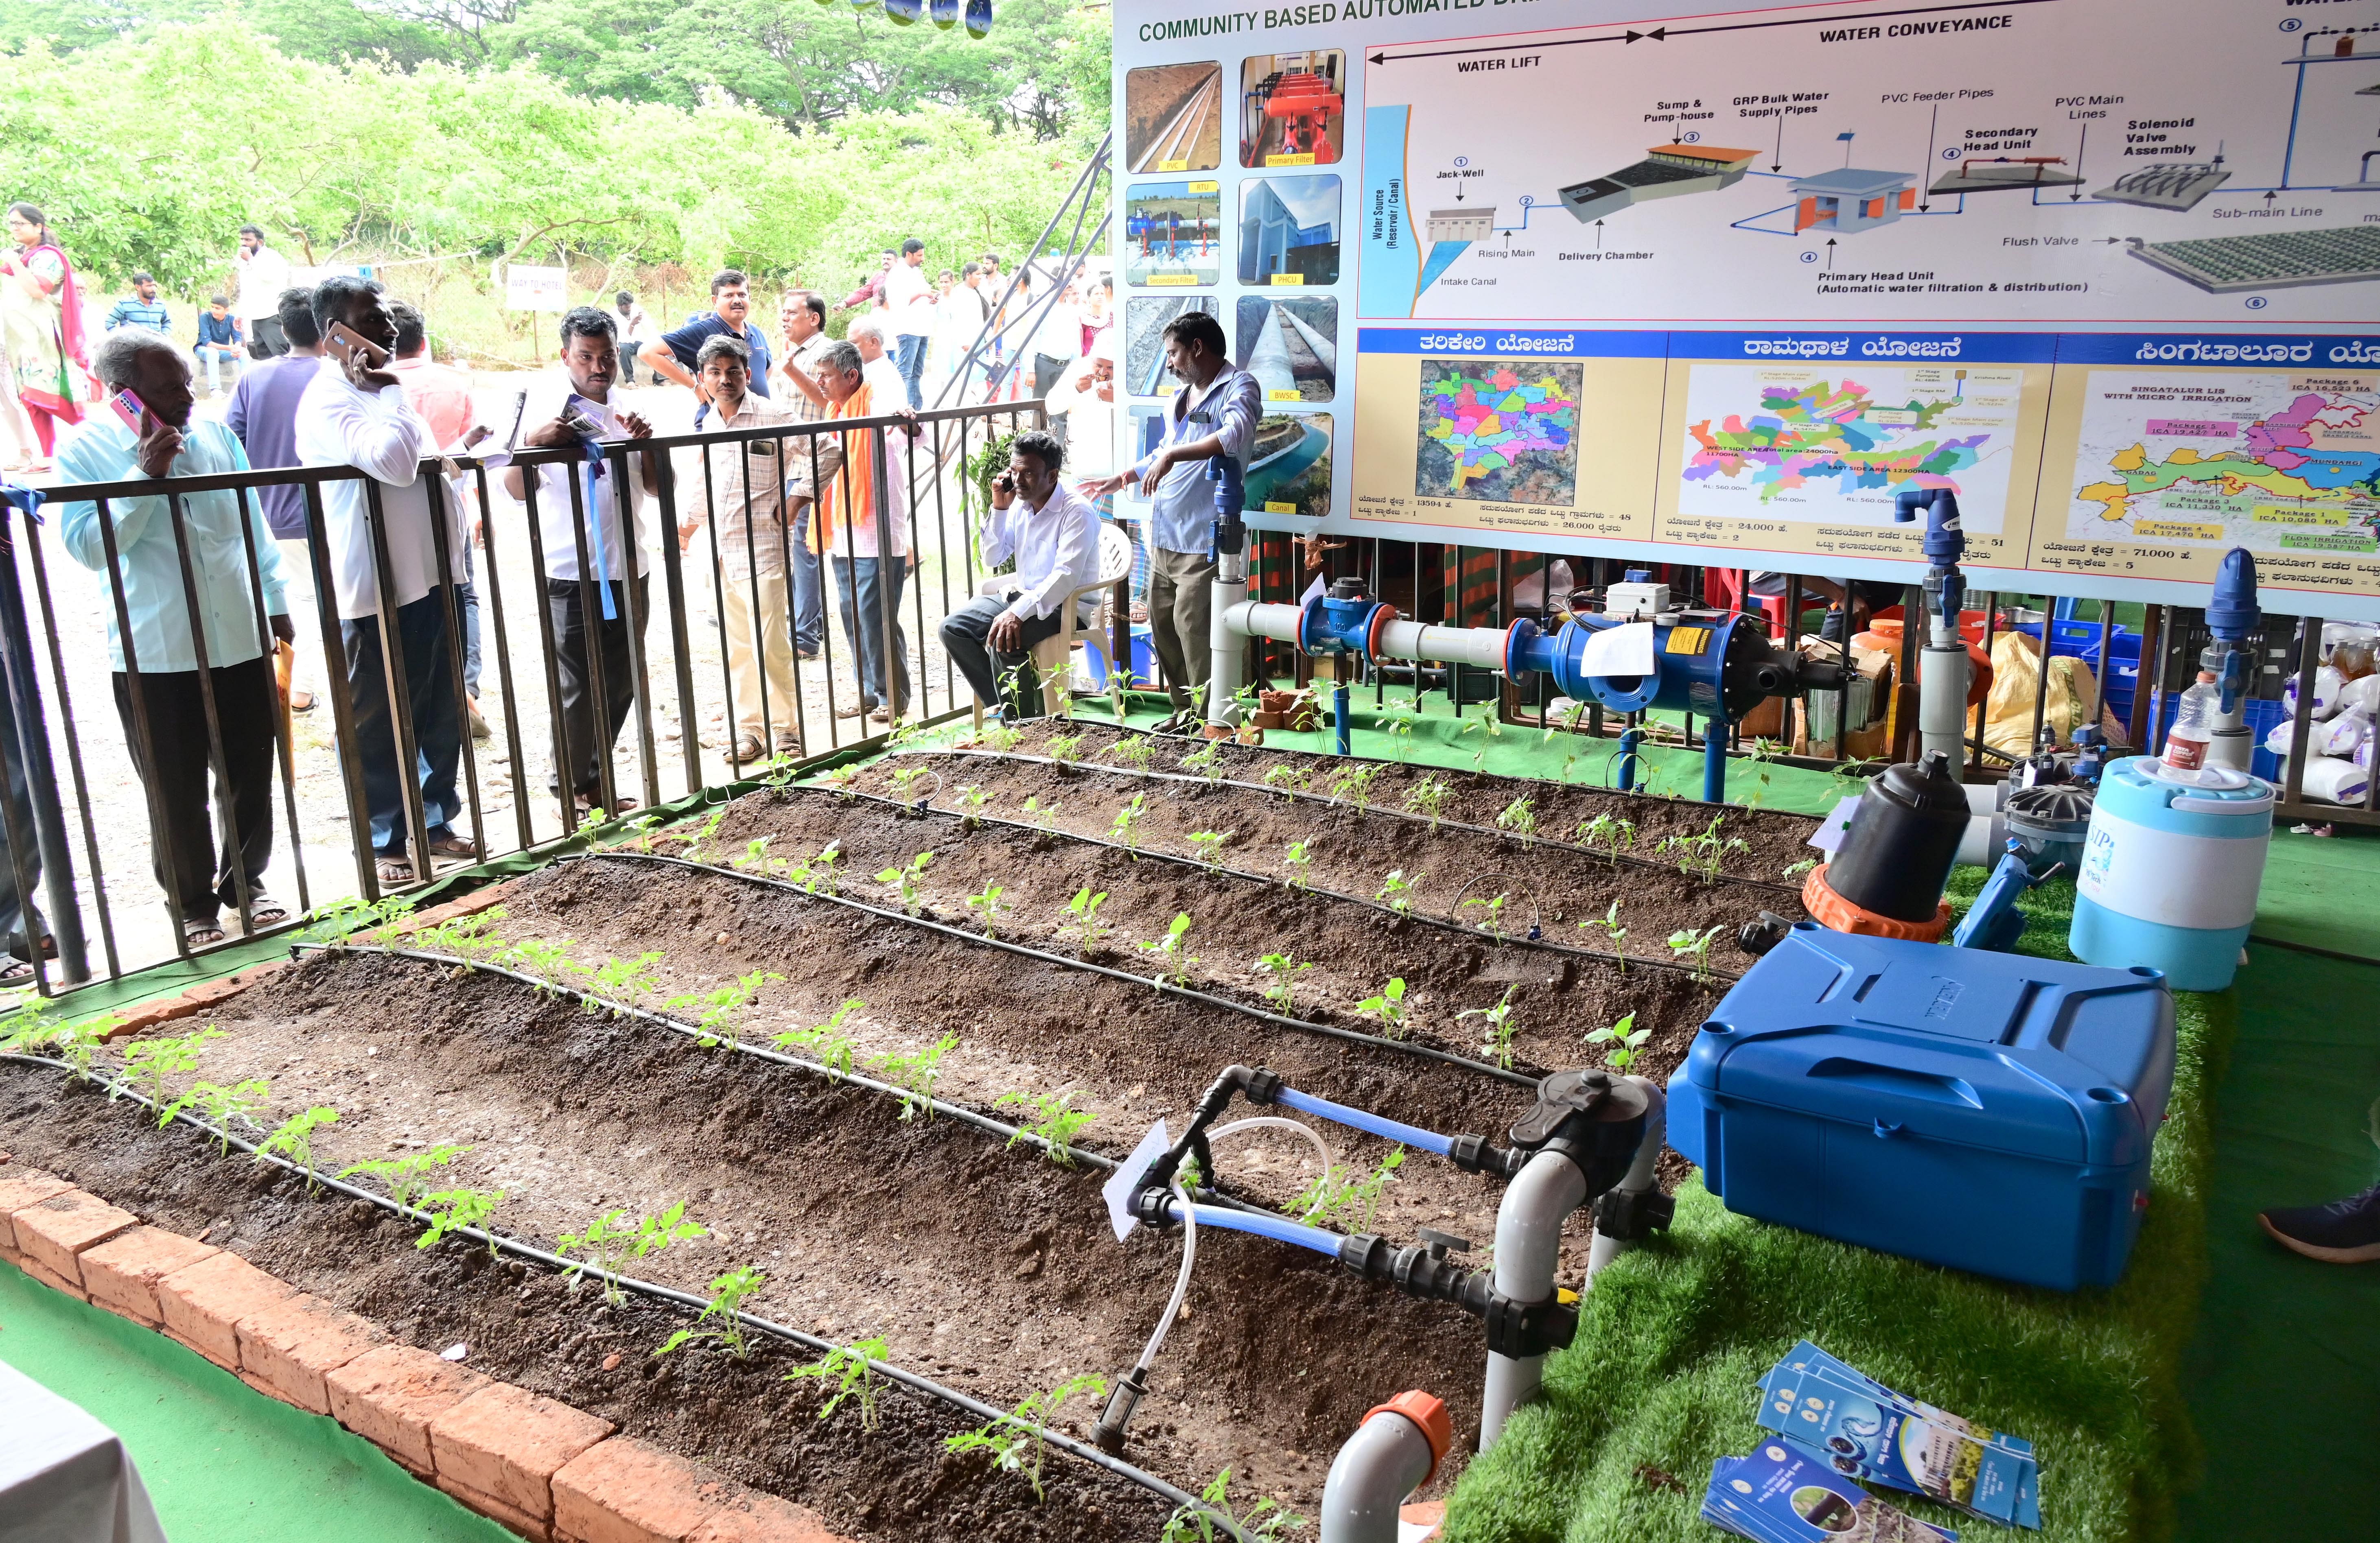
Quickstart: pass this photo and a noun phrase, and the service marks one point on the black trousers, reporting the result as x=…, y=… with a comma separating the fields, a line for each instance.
x=964, y=635
x=590, y=744
x=182, y=843
x=266, y=331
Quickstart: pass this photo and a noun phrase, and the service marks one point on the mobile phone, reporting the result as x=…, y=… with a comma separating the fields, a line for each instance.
x=344, y=343
x=131, y=409
x=520, y=409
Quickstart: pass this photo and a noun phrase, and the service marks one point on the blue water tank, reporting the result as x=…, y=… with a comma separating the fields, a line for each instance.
x=1988, y=1111
x=2170, y=870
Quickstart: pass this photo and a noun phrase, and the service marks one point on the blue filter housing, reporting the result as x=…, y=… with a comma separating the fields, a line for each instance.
x=1988, y=1111
x=2170, y=870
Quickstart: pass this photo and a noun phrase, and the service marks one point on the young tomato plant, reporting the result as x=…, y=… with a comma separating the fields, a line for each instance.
x=1700, y=856
x=831, y=1046
x=1354, y=783
x=915, y=1075
x=1043, y=817
x=217, y=1104
x=1500, y=1027
x=756, y=857
x=990, y=905
x=1055, y=1120
x=1173, y=959
x=727, y=1295
x=723, y=1007
x=1625, y=1040
x=1494, y=924
x=972, y=799
x=1388, y=1008
x=1800, y=868
x=1762, y=752
x=32, y=1033
x=1017, y=1440
x=1282, y=972
x=1065, y=748
x=1429, y=798
x=852, y=1371
x=1206, y=760
x=908, y=878
x=1609, y=834
x=451, y=1210
x=1288, y=777
x=1298, y=860
x=153, y=1061
x=1212, y=1519
x=1126, y=829
x=1398, y=891
x=1133, y=751
x=1210, y=847
x=546, y=963
x=1609, y=925
x=294, y=1138
x=1687, y=943
x=1519, y=816
x=406, y=1175
x=626, y=979
x=612, y=1240
x=904, y=782
x=1084, y=914
x=1338, y=1193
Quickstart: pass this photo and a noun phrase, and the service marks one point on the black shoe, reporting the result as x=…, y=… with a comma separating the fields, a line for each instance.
x=2344, y=1232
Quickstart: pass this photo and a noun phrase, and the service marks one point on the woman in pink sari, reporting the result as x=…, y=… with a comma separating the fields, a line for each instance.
x=41, y=326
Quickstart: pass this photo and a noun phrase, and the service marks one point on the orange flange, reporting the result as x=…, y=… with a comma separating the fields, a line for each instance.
x=1427, y=1412
x=1831, y=910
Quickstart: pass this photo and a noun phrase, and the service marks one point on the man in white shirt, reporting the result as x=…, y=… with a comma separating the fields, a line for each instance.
x=594, y=564
x=877, y=366
x=354, y=413
x=802, y=317
x=1055, y=539
x=264, y=275
x=909, y=304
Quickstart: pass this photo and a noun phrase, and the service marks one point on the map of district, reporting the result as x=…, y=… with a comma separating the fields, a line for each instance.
x=1499, y=431
x=2270, y=462
x=1838, y=445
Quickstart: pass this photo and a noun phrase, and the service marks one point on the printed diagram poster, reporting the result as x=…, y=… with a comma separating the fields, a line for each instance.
x=1293, y=108
x=1499, y=431
x=1173, y=234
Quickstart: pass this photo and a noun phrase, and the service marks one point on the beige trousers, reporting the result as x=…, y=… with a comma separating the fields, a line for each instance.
x=749, y=652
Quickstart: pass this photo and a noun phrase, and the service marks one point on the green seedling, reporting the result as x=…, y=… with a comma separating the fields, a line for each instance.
x=217, y=1104
x=914, y=1075
x=611, y=1241
x=626, y=979
x=845, y=780
x=1798, y=869
x=723, y=1007
x=1210, y=847
x=293, y=1137
x=1066, y=749
x=1609, y=925
x=1429, y=798
x=1625, y=1040
x=1126, y=829
x=1283, y=972
x=32, y=1033
x=1388, y=1008
x=405, y=1175
x=904, y=782
x=1288, y=777
x=451, y=1210
x=1018, y=1439
x=546, y=963
x=1354, y=783
x=1085, y=910
x=1687, y=943
x=1212, y=1519
x=1338, y=1193
x=1497, y=1023
x=972, y=799
x=1206, y=760
x=727, y=1295
x=640, y=832
x=1609, y=834
x=1494, y=924
x=1298, y=861
x=469, y=937
x=1132, y=751
x=907, y=878
x=1173, y=959
x=990, y=906
x=818, y=875
x=756, y=856
x=1400, y=737
x=852, y=1369
x=1762, y=752
x=703, y=834
x=826, y=1040
x=1043, y=817
x=1002, y=737
x=1519, y=816
x=1701, y=855
x=153, y=1061
x=1398, y=892
x=391, y=918
x=1055, y=1120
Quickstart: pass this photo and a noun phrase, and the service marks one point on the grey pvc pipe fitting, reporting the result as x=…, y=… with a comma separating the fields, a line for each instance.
x=1640, y=1177
x=1392, y=1453
x=1528, y=1251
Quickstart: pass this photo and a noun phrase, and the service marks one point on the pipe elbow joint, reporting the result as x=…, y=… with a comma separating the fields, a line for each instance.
x=1631, y=1215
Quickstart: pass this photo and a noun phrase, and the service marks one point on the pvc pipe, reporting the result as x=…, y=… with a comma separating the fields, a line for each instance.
x=1268, y=360
x=1387, y=1459
x=1258, y=619
x=1481, y=646
x=1342, y=728
x=1263, y=1223
x=1395, y=1130
x=1224, y=643
x=1942, y=700
x=1528, y=1248
x=1640, y=1179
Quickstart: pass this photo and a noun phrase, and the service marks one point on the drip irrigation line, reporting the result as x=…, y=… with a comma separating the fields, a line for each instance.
x=921, y=806
x=1167, y=988
x=502, y=1243
x=1609, y=858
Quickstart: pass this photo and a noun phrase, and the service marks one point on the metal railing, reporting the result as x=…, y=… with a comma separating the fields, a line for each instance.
x=73, y=844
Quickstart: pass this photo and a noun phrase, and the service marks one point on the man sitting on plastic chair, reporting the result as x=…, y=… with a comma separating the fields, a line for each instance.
x=1053, y=535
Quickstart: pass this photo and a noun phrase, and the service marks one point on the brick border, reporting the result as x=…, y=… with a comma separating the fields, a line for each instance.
x=549, y=1472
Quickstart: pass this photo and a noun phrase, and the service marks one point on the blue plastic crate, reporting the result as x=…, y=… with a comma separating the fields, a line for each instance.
x=1988, y=1111
x=2262, y=719
x=2081, y=640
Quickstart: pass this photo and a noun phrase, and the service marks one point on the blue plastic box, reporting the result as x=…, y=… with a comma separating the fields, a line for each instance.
x=1988, y=1112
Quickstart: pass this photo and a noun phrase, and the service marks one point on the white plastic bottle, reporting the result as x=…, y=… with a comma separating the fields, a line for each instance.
x=2193, y=724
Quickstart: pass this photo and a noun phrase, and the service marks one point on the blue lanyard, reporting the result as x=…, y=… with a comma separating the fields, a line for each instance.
x=594, y=449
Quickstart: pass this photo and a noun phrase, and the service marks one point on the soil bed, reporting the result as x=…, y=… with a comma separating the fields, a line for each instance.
x=1775, y=840
x=521, y=1323
x=992, y=1271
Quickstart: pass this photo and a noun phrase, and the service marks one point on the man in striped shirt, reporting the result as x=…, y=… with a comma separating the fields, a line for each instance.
x=144, y=310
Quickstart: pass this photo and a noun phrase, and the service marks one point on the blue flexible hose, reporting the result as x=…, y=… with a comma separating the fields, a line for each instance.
x=1261, y=1224
x=1395, y=1130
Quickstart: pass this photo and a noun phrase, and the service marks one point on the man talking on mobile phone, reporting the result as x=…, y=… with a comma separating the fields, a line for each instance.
x=164, y=706
x=1055, y=539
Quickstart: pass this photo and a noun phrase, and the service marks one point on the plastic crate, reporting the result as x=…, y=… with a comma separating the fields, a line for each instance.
x=2262, y=719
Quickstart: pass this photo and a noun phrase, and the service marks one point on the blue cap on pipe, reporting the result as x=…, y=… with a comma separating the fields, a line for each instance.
x=2232, y=614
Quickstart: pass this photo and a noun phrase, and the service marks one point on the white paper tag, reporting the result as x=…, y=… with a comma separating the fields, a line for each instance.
x=1626, y=650
x=1829, y=836
x=1126, y=1180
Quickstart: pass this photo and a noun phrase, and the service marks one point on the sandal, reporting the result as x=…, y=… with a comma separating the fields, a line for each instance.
x=394, y=870
x=854, y=710
x=17, y=972
x=454, y=847
x=264, y=911
x=301, y=701
x=748, y=749
x=202, y=934
x=622, y=805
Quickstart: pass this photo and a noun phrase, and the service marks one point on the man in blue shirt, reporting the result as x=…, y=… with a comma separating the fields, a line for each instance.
x=673, y=354
x=167, y=672
x=144, y=310
x=219, y=344
x=1214, y=413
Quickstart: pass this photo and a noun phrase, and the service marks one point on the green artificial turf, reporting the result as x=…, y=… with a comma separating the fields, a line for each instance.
x=1675, y=1336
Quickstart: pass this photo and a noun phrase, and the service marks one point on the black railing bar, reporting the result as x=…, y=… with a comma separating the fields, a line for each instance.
x=457, y=642
x=763, y=625
x=412, y=807
x=144, y=743
x=880, y=512
x=516, y=760
x=557, y=721
x=335, y=687
x=217, y=760
x=755, y=619
x=681, y=638
x=786, y=542
x=73, y=740
x=19, y=854
x=284, y=738
x=624, y=497
x=591, y=633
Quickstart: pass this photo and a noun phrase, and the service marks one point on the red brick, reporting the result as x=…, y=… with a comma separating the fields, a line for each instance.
x=389, y=1396
x=201, y=1304
x=190, y=1003
x=507, y=1442
x=752, y=1516
x=54, y=1282
x=51, y=1232
x=122, y=1274
x=290, y=1345
x=1431, y=1515
x=495, y=1509
x=18, y=1189
x=625, y=1492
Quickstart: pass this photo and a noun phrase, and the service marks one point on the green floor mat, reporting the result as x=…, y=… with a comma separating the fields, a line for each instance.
x=224, y=1463
x=2323, y=892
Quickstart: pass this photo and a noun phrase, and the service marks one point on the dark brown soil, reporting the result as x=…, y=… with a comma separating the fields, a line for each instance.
x=992, y=1271
x=520, y=1322
x=1352, y=851
x=1775, y=840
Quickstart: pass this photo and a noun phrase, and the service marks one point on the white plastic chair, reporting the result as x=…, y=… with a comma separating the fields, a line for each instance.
x=1052, y=655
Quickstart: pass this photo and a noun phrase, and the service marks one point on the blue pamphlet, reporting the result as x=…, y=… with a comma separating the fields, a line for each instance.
x=1780, y=1494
